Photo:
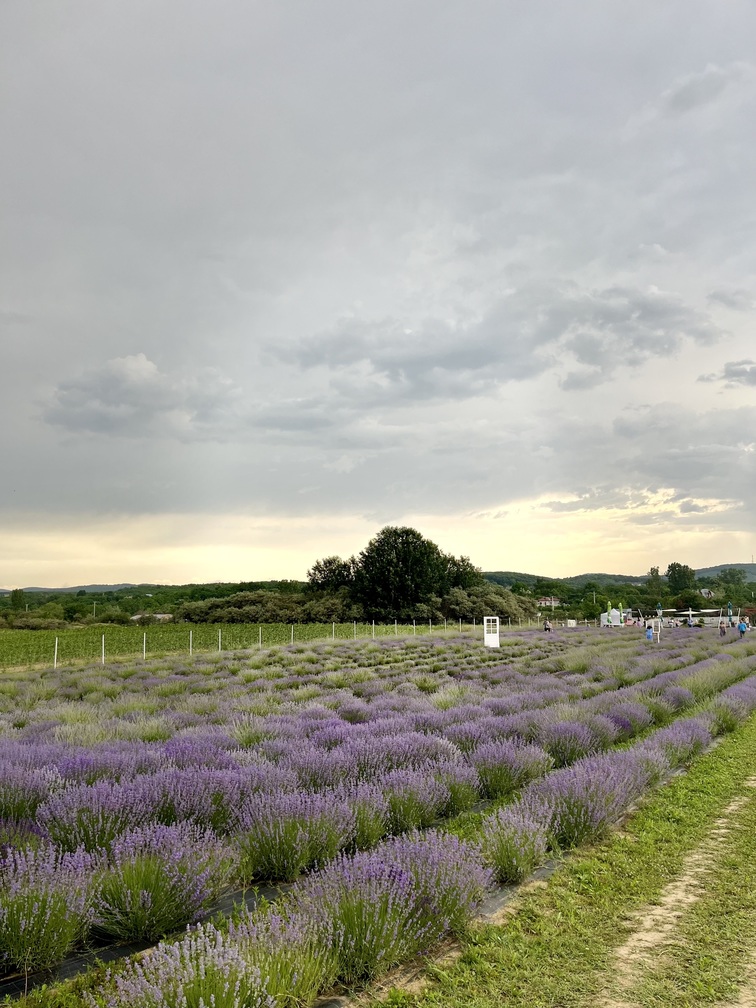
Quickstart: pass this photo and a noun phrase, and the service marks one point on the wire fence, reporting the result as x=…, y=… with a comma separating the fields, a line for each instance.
x=25, y=648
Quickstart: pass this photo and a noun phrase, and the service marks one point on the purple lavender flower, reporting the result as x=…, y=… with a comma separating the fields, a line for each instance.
x=371, y=813
x=463, y=784
x=681, y=741
x=23, y=789
x=586, y=798
x=368, y=912
x=629, y=718
x=447, y=872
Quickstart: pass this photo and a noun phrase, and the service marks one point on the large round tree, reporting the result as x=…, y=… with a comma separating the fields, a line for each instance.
x=400, y=569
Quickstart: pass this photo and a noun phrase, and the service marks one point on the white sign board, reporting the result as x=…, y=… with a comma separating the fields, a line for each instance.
x=491, y=631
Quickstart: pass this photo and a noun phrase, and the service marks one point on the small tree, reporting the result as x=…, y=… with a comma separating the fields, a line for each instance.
x=331, y=574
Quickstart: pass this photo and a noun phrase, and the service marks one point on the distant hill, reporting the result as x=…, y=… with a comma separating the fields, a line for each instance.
x=76, y=588
x=749, y=568
x=507, y=578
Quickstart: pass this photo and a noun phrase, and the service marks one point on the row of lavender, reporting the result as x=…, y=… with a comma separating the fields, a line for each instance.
x=139, y=856
x=364, y=913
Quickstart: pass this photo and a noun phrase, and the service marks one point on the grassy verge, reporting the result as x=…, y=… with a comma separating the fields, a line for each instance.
x=556, y=950
x=717, y=935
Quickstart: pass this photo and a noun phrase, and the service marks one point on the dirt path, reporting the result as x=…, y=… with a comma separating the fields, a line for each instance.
x=656, y=926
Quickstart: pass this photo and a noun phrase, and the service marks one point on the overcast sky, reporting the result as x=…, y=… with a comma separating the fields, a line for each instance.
x=276, y=274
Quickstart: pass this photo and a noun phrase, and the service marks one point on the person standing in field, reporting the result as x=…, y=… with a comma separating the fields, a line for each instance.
x=649, y=632
x=742, y=627
x=722, y=628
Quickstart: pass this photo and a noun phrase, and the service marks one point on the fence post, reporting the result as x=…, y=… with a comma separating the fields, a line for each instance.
x=333, y=631
x=414, y=628
x=55, y=654
x=260, y=635
x=430, y=626
x=144, y=646
x=373, y=628
x=355, y=629
x=292, y=633
x=396, y=628
x=219, y=640
x=460, y=624
x=191, y=641
x=103, y=649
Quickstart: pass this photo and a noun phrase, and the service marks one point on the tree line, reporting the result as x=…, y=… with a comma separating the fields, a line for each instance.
x=400, y=575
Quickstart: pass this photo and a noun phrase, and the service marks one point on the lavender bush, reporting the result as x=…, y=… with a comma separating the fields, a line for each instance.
x=92, y=816
x=45, y=905
x=567, y=741
x=585, y=799
x=371, y=814
x=514, y=841
x=367, y=912
x=463, y=785
x=504, y=767
x=449, y=879
x=280, y=836
x=23, y=789
x=294, y=961
x=415, y=798
x=158, y=879
x=204, y=970
x=681, y=742
x=378, y=908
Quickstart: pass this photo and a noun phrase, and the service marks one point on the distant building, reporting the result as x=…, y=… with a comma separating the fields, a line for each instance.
x=547, y=601
x=707, y=593
x=161, y=617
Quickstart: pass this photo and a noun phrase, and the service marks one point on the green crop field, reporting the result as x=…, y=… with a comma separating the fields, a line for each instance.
x=37, y=647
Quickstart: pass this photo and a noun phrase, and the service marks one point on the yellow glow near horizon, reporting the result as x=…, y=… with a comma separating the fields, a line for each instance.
x=527, y=537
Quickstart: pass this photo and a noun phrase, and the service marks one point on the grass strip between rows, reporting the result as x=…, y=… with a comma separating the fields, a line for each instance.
x=555, y=949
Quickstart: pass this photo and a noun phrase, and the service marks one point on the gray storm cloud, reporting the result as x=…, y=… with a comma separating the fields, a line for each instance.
x=131, y=397
x=294, y=260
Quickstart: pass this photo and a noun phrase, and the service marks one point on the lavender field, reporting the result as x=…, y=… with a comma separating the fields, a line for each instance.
x=134, y=795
